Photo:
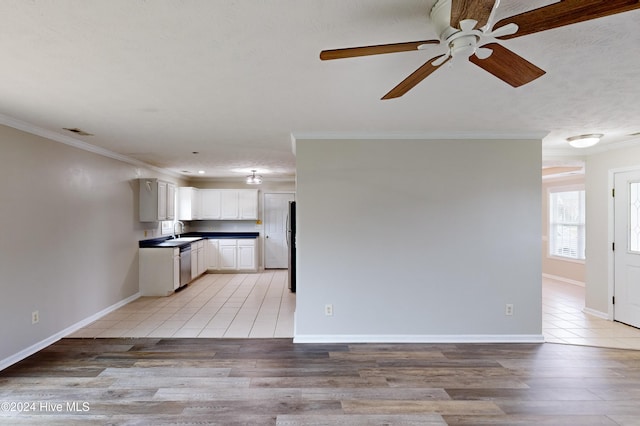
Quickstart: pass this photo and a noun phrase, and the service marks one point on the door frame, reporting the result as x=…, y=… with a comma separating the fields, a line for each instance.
x=264, y=225
x=611, y=237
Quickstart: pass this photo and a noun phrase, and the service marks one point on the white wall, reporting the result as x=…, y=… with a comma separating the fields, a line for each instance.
x=418, y=240
x=68, y=236
x=598, y=243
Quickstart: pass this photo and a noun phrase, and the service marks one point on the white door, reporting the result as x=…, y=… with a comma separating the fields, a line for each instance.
x=627, y=248
x=276, y=209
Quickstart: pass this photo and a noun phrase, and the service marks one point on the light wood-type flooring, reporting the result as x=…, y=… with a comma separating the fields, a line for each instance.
x=155, y=381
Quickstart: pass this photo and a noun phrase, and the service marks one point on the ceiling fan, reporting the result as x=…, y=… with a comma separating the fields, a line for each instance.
x=465, y=28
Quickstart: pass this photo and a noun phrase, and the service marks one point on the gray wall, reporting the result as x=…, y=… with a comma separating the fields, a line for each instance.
x=69, y=234
x=418, y=240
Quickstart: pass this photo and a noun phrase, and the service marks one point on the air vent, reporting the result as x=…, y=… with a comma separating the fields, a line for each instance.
x=77, y=131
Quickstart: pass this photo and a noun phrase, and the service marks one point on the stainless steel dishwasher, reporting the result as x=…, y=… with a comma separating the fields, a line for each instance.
x=185, y=264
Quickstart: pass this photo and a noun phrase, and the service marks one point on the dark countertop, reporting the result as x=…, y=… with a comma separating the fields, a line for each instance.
x=169, y=242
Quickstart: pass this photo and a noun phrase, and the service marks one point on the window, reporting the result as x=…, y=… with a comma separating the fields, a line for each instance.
x=567, y=224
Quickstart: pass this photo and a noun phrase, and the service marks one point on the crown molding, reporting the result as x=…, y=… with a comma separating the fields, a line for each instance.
x=459, y=135
x=76, y=143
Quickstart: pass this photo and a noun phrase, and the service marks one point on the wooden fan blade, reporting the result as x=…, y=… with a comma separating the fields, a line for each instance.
x=416, y=77
x=508, y=66
x=351, y=52
x=565, y=12
x=480, y=10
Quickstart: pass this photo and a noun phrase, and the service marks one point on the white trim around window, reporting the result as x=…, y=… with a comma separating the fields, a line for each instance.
x=566, y=223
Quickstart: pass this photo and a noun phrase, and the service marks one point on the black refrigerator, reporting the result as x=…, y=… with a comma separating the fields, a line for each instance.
x=291, y=244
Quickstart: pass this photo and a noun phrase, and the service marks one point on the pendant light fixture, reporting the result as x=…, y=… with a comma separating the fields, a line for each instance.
x=254, y=179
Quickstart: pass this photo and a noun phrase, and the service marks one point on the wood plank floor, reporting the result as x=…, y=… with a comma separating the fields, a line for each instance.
x=155, y=381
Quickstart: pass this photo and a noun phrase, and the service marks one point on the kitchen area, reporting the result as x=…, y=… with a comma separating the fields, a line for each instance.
x=205, y=276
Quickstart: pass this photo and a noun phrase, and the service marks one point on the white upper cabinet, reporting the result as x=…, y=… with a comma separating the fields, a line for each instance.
x=210, y=199
x=157, y=200
x=229, y=199
x=224, y=204
x=248, y=204
x=189, y=203
x=171, y=202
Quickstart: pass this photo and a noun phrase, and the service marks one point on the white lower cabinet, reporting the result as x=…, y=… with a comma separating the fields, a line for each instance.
x=229, y=255
x=246, y=255
x=198, y=266
x=211, y=254
x=202, y=266
x=159, y=271
x=194, y=261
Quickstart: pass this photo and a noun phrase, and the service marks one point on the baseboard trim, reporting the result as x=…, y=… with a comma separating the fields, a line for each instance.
x=413, y=338
x=595, y=313
x=71, y=329
x=563, y=279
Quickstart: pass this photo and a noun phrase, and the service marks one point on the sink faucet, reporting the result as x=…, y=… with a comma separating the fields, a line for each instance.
x=178, y=222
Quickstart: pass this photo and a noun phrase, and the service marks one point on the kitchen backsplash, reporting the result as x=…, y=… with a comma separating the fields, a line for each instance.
x=224, y=226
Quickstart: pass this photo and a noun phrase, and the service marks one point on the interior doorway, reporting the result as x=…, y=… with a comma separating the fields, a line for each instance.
x=276, y=208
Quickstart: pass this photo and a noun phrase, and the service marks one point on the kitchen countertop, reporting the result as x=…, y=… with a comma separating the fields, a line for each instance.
x=170, y=242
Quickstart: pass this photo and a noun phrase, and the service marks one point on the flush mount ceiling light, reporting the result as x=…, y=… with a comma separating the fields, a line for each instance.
x=254, y=179
x=584, y=141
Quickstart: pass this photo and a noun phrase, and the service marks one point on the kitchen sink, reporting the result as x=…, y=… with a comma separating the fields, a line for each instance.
x=185, y=239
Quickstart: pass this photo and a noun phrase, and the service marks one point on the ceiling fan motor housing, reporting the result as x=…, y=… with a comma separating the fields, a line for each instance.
x=441, y=18
x=464, y=46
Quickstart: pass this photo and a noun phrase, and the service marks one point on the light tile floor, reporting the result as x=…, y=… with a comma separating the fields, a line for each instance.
x=214, y=305
x=563, y=320
x=260, y=305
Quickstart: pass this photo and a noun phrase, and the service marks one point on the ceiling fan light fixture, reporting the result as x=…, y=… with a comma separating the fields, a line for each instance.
x=254, y=179
x=584, y=141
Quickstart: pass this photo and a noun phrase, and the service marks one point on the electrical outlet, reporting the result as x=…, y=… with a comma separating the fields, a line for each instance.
x=508, y=309
x=35, y=317
x=328, y=310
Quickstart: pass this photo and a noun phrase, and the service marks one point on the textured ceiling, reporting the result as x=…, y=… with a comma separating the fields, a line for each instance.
x=231, y=80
